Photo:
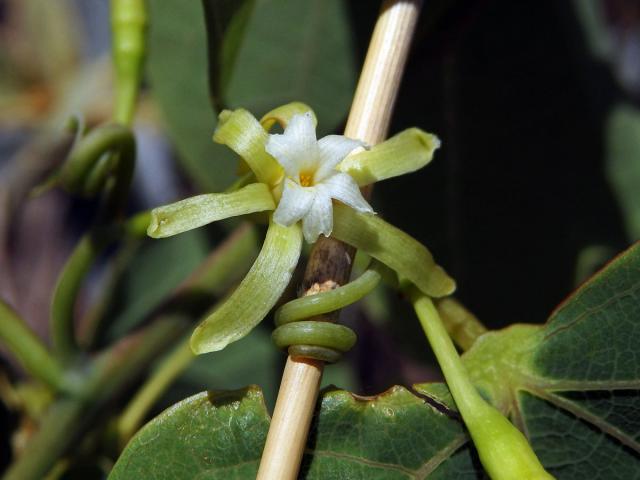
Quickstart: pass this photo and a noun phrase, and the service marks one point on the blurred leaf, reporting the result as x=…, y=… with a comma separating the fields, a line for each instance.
x=295, y=51
x=153, y=273
x=178, y=77
x=591, y=14
x=283, y=51
x=252, y=360
x=590, y=260
x=226, y=22
x=623, y=162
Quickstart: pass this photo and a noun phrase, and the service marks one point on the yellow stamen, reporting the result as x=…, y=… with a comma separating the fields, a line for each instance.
x=306, y=179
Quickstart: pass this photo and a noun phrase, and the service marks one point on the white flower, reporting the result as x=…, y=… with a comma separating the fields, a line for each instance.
x=311, y=180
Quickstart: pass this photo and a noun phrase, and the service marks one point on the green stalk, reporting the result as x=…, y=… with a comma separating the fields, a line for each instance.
x=128, y=26
x=105, y=379
x=94, y=321
x=66, y=291
x=28, y=349
x=504, y=451
x=90, y=246
x=158, y=383
x=462, y=326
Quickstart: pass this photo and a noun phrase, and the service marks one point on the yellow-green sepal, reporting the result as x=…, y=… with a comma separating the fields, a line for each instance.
x=194, y=212
x=391, y=246
x=256, y=294
x=282, y=115
x=405, y=152
x=241, y=132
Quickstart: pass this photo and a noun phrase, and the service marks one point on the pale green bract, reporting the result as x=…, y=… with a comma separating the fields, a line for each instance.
x=307, y=183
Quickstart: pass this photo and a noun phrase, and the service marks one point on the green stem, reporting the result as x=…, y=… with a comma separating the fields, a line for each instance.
x=504, y=451
x=28, y=349
x=67, y=288
x=462, y=326
x=161, y=379
x=105, y=379
x=70, y=280
x=92, y=325
x=128, y=25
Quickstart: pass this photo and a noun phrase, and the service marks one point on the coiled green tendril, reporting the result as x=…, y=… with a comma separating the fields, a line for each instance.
x=102, y=159
x=306, y=337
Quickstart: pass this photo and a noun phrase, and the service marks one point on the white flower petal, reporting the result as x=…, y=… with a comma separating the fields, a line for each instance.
x=294, y=203
x=332, y=150
x=344, y=188
x=296, y=149
x=320, y=217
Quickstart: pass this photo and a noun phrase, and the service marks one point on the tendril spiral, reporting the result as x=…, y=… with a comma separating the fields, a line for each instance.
x=303, y=336
x=101, y=160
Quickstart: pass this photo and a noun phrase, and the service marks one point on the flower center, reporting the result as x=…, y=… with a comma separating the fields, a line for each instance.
x=306, y=179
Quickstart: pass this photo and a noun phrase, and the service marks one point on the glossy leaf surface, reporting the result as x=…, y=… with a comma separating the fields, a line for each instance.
x=220, y=435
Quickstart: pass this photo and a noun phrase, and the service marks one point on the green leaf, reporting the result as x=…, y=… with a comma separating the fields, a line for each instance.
x=395, y=435
x=226, y=22
x=573, y=385
x=178, y=77
x=272, y=54
x=154, y=272
x=623, y=162
x=291, y=51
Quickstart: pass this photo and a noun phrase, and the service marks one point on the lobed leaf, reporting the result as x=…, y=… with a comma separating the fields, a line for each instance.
x=573, y=385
